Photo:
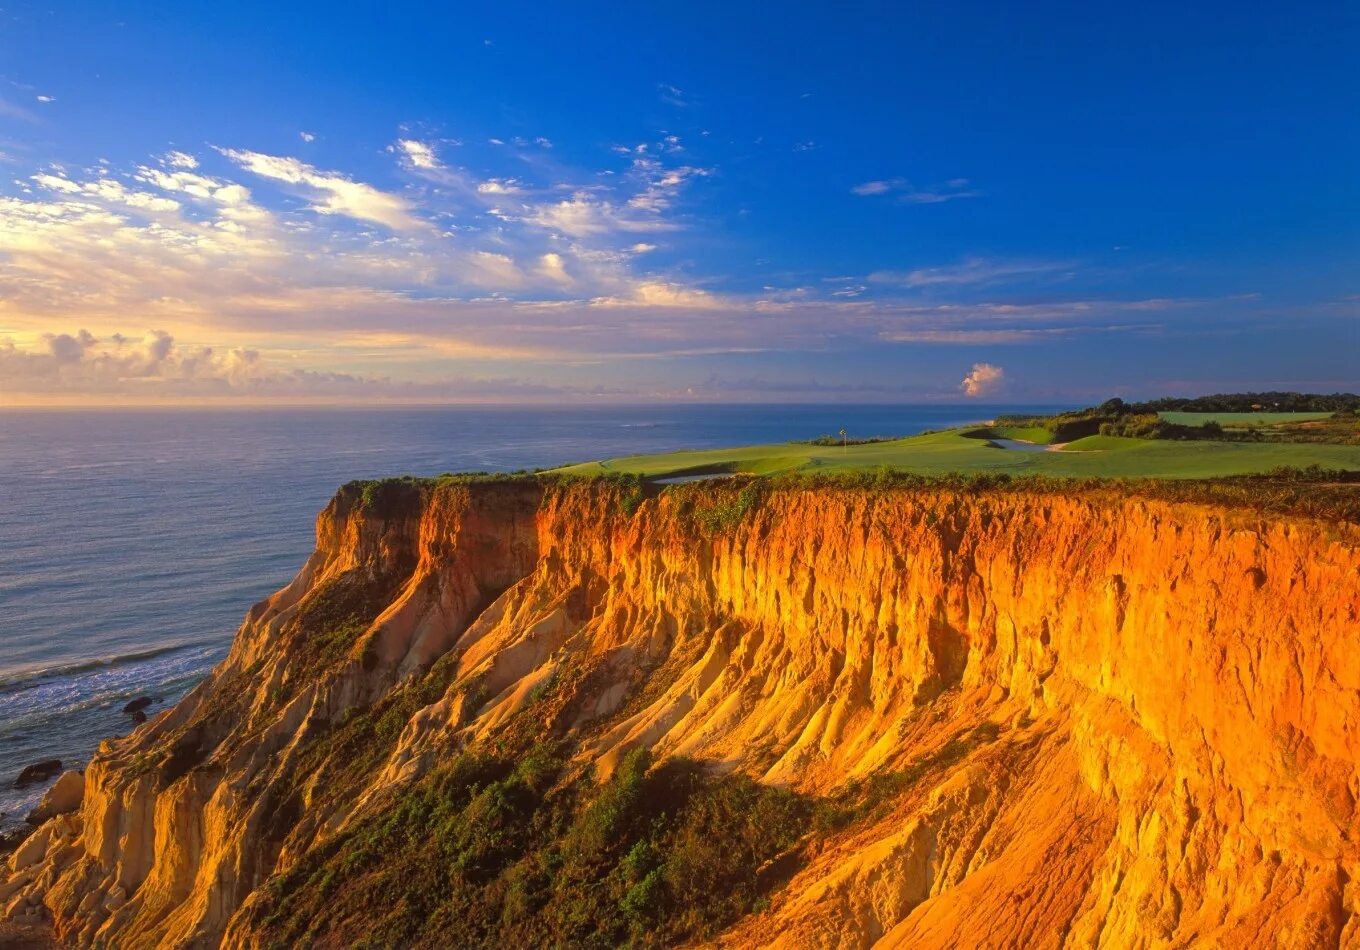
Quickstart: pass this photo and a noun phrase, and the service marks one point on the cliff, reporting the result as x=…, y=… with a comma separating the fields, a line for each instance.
x=926, y=716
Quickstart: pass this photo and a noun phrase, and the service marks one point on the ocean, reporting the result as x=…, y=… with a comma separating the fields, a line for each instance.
x=132, y=542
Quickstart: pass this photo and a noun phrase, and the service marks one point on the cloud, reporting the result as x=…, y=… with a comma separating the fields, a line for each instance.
x=583, y=215
x=905, y=192
x=642, y=248
x=1004, y=335
x=307, y=136
x=982, y=380
x=419, y=154
x=873, y=188
x=12, y=111
x=500, y=186
x=673, y=95
x=155, y=366
x=109, y=190
x=655, y=293
x=331, y=192
x=973, y=271
x=180, y=160
x=46, y=98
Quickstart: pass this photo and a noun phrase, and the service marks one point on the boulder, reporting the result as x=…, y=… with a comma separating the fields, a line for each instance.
x=38, y=772
x=62, y=798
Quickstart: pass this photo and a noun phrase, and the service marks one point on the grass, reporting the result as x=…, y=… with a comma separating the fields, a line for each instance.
x=1036, y=434
x=1236, y=419
x=953, y=451
x=1103, y=443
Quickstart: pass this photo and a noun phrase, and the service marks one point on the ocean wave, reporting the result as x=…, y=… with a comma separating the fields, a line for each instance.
x=27, y=679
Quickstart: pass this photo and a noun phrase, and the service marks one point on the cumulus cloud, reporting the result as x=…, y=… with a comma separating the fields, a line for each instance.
x=331, y=192
x=982, y=380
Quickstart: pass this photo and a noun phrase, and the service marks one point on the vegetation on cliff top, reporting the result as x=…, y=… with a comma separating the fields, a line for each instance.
x=719, y=503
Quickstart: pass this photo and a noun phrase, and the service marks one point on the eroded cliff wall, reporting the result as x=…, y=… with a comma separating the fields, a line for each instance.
x=1118, y=721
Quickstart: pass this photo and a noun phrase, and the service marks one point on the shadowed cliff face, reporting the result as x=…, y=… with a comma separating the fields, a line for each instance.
x=1088, y=720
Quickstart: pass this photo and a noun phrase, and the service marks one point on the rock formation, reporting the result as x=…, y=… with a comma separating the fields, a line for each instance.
x=1101, y=719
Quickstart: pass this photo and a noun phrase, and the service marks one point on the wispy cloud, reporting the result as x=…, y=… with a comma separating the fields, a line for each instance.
x=905, y=192
x=331, y=192
x=673, y=95
x=10, y=110
x=975, y=271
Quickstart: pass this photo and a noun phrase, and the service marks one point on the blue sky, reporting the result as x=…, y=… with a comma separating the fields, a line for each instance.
x=863, y=202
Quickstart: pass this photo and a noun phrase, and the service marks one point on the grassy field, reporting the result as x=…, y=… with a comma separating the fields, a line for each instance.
x=1241, y=419
x=953, y=451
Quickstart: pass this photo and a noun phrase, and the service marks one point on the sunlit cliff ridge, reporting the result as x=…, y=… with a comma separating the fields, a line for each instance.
x=1086, y=718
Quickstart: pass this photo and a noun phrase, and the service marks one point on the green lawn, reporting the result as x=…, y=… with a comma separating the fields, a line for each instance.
x=1236, y=419
x=944, y=452
x=1036, y=434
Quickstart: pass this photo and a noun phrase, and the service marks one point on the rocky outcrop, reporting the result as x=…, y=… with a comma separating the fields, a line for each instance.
x=62, y=798
x=1111, y=720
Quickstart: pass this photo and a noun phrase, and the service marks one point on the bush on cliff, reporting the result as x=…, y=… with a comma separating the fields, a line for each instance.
x=487, y=850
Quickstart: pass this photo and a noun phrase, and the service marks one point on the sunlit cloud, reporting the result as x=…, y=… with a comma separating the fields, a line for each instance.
x=331, y=192
x=983, y=379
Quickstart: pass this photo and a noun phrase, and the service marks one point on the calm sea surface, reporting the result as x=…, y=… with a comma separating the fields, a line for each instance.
x=133, y=542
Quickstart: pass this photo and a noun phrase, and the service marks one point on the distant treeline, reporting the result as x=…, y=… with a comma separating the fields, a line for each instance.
x=1140, y=420
x=847, y=440
x=1244, y=402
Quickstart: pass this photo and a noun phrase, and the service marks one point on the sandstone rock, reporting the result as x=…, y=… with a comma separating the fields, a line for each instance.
x=63, y=797
x=1128, y=722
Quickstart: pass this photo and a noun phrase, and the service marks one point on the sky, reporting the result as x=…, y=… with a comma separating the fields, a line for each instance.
x=598, y=202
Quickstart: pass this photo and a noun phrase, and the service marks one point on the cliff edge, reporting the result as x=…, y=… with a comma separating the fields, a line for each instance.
x=747, y=714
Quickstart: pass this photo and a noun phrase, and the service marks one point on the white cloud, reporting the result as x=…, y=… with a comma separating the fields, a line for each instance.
x=583, y=215
x=982, y=380
x=500, y=186
x=109, y=190
x=642, y=248
x=420, y=154
x=655, y=293
x=180, y=160
x=332, y=192
x=307, y=136
x=553, y=267
x=47, y=98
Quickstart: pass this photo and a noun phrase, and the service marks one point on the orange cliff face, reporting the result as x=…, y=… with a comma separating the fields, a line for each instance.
x=1126, y=722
